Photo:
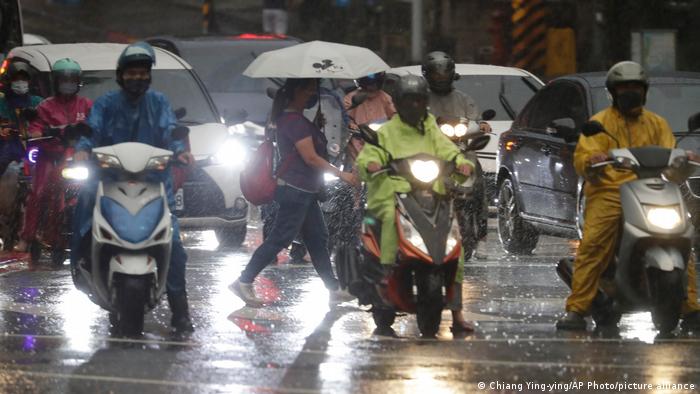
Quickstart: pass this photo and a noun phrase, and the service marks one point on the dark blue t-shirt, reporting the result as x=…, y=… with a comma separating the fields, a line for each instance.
x=291, y=128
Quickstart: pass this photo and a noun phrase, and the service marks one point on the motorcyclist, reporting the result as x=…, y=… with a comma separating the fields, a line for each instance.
x=136, y=113
x=447, y=102
x=16, y=98
x=413, y=131
x=377, y=105
x=66, y=108
x=630, y=125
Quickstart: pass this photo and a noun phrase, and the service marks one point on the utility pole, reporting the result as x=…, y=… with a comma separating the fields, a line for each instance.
x=417, y=30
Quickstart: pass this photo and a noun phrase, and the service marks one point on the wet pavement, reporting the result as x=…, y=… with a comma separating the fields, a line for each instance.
x=54, y=340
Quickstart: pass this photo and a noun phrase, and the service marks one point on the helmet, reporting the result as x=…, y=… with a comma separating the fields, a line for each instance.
x=17, y=67
x=371, y=79
x=137, y=54
x=439, y=64
x=66, y=67
x=410, y=84
x=626, y=71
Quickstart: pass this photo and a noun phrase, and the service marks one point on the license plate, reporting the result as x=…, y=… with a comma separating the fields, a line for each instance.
x=180, y=200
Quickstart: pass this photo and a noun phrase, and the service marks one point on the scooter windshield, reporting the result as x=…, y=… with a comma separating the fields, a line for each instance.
x=132, y=228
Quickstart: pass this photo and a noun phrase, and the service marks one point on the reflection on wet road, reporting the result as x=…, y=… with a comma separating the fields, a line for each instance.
x=54, y=340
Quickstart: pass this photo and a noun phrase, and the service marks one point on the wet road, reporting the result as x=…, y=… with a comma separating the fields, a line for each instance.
x=54, y=340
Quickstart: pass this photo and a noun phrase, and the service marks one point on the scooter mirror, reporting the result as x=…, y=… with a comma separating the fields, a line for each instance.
x=180, y=132
x=180, y=113
x=479, y=143
x=271, y=92
x=358, y=99
x=694, y=122
x=488, y=114
x=592, y=128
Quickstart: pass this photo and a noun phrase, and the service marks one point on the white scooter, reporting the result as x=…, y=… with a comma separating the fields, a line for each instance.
x=131, y=235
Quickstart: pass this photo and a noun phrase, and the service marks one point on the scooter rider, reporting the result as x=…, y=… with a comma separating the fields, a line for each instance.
x=627, y=124
x=16, y=81
x=413, y=131
x=377, y=105
x=63, y=109
x=136, y=113
x=446, y=101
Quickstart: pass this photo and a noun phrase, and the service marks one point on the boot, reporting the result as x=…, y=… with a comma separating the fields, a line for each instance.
x=180, y=320
x=691, y=321
x=571, y=321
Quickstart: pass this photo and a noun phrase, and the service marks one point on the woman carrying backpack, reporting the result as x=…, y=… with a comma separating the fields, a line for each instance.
x=303, y=161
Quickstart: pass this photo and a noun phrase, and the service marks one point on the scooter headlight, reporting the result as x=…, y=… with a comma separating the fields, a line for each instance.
x=460, y=130
x=412, y=235
x=158, y=163
x=77, y=173
x=453, y=238
x=425, y=171
x=667, y=218
x=107, y=161
x=448, y=130
x=232, y=153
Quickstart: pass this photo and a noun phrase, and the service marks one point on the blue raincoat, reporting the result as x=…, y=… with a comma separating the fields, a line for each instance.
x=115, y=119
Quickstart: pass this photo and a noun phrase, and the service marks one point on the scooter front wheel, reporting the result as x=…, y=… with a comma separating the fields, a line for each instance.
x=132, y=294
x=383, y=317
x=667, y=294
x=430, y=302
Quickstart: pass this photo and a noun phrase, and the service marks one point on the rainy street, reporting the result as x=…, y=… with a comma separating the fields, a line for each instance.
x=54, y=339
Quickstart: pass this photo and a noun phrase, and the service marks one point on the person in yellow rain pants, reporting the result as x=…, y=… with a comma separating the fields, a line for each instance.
x=627, y=124
x=410, y=132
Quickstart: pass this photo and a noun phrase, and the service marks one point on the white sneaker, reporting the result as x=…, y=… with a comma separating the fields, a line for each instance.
x=339, y=296
x=246, y=293
x=481, y=252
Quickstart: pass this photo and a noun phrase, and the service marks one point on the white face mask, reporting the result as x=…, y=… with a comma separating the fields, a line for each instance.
x=20, y=87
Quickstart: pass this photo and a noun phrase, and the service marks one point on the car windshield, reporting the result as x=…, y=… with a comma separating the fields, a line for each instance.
x=675, y=102
x=506, y=94
x=221, y=65
x=179, y=87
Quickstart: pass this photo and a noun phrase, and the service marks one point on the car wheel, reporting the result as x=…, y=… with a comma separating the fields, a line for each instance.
x=517, y=236
x=231, y=237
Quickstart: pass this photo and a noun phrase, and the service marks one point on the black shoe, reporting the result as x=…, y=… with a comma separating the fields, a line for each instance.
x=180, y=320
x=691, y=321
x=571, y=321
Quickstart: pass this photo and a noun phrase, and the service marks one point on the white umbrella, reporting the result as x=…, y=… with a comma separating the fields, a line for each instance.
x=316, y=59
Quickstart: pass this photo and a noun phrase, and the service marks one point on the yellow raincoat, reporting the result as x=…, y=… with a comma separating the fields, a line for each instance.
x=400, y=140
x=603, y=209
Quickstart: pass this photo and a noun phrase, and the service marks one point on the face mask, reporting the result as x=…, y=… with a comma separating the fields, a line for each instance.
x=313, y=100
x=20, y=87
x=68, y=88
x=628, y=101
x=136, y=87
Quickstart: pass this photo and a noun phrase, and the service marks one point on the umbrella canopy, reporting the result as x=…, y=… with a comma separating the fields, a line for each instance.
x=316, y=59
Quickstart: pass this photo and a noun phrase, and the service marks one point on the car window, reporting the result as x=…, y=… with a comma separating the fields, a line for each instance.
x=221, y=65
x=178, y=86
x=505, y=94
x=556, y=101
x=674, y=102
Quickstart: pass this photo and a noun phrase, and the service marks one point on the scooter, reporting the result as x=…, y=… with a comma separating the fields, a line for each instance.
x=461, y=131
x=126, y=268
x=429, y=246
x=649, y=268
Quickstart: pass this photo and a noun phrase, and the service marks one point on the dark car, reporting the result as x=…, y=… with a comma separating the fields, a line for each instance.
x=538, y=189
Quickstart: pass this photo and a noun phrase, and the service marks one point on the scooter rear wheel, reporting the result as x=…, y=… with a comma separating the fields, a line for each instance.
x=132, y=294
x=667, y=296
x=383, y=317
x=430, y=302
x=58, y=256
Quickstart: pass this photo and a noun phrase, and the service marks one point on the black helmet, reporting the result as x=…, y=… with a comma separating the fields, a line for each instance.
x=410, y=84
x=136, y=54
x=439, y=64
x=17, y=67
x=376, y=79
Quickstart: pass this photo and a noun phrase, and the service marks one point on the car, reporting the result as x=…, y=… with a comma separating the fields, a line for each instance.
x=210, y=197
x=539, y=192
x=34, y=39
x=506, y=90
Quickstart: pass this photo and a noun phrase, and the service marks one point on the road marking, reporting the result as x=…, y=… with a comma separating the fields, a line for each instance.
x=116, y=379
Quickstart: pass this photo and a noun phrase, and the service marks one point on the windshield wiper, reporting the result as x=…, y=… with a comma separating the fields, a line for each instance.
x=504, y=101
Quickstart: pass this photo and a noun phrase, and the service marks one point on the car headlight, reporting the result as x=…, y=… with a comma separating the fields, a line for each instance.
x=667, y=218
x=453, y=238
x=412, y=235
x=425, y=171
x=231, y=153
x=77, y=173
x=448, y=130
x=238, y=128
x=460, y=130
x=107, y=161
x=158, y=163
